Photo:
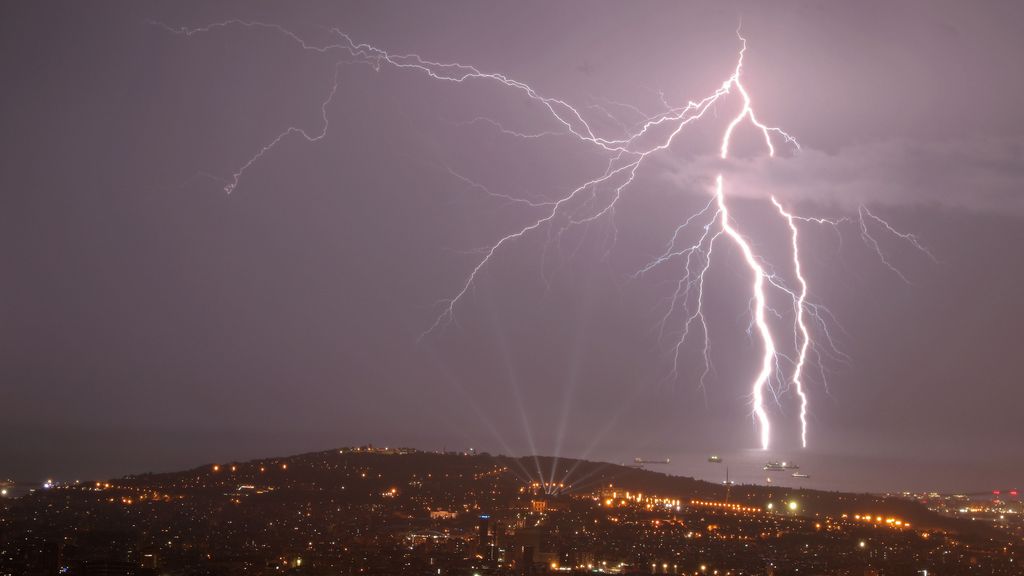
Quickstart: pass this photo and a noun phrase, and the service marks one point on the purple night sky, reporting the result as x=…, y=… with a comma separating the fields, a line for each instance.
x=149, y=321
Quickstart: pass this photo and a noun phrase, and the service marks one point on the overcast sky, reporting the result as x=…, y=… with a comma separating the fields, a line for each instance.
x=149, y=321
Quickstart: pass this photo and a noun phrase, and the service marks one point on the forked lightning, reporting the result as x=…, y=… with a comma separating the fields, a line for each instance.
x=598, y=196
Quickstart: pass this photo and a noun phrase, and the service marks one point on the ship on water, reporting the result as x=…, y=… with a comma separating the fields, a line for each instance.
x=780, y=466
x=646, y=461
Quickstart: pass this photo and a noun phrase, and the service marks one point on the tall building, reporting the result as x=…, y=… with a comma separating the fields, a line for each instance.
x=485, y=524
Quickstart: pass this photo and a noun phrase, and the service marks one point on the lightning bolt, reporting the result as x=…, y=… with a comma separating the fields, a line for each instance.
x=802, y=334
x=597, y=197
x=760, y=305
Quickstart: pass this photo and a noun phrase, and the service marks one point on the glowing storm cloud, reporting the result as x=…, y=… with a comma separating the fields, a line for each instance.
x=585, y=204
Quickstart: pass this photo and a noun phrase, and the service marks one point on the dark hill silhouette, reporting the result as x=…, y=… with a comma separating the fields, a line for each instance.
x=363, y=474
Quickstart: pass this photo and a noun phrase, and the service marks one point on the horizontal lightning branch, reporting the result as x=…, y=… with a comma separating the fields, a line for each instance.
x=597, y=198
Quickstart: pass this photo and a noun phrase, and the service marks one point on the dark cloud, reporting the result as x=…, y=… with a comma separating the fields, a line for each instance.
x=978, y=175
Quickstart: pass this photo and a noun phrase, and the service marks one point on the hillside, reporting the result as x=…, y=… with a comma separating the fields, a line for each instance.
x=366, y=473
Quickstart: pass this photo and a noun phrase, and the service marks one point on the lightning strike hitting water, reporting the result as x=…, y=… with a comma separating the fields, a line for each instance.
x=802, y=336
x=597, y=197
x=768, y=360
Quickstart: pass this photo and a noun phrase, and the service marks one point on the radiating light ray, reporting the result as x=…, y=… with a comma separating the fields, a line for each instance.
x=598, y=197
